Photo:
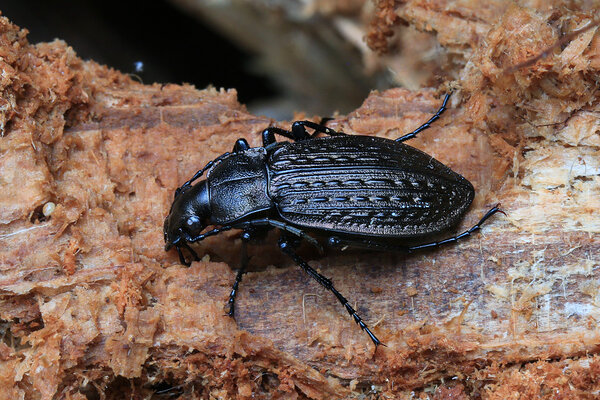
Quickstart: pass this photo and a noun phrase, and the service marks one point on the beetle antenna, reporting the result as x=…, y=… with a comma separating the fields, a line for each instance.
x=427, y=124
x=200, y=172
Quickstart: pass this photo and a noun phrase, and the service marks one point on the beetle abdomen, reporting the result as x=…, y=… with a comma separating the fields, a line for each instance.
x=365, y=186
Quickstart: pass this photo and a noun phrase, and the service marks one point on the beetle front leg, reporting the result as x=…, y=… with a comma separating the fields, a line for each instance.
x=192, y=251
x=202, y=236
x=182, y=257
x=200, y=172
x=298, y=132
x=286, y=247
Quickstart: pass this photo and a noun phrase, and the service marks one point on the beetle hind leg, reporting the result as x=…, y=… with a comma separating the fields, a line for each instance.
x=456, y=238
x=286, y=247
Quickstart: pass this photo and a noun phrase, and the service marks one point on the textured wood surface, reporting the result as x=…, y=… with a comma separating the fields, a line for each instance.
x=92, y=305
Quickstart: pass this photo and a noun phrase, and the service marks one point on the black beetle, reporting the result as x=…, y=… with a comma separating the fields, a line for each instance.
x=355, y=190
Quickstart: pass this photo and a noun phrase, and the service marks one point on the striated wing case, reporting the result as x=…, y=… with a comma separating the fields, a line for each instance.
x=360, y=185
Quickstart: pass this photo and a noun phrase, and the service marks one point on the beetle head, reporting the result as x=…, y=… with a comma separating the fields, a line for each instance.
x=189, y=215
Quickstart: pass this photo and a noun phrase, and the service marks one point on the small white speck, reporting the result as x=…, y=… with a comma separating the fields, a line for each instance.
x=48, y=209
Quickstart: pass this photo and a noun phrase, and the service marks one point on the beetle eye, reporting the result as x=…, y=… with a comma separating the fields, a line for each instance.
x=192, y=221
x=194, y=225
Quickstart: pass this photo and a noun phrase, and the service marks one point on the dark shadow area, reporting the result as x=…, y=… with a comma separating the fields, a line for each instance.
x=153, y=40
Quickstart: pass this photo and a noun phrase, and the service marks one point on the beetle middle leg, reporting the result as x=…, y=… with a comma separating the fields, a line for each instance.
x=246, y=237
x=298, y=132
x=427, y=124
x=284, y=227
x=287, y=247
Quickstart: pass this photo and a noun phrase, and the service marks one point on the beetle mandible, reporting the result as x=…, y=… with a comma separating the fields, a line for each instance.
x=359, y=191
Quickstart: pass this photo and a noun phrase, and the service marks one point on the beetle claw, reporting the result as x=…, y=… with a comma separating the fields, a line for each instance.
x=497, y=209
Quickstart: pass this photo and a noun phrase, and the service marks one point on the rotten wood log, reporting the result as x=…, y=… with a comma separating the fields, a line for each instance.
x=92, y=305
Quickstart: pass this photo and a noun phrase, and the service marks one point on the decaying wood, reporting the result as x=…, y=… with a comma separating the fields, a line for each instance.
x=92, y=305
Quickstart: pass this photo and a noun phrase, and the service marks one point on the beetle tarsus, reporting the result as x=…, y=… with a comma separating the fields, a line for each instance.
x=286, y=248
x=246, y=236
x=427, y=124
x=456, y=238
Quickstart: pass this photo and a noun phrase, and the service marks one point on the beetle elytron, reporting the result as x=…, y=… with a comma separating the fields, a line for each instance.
x=357, y=191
